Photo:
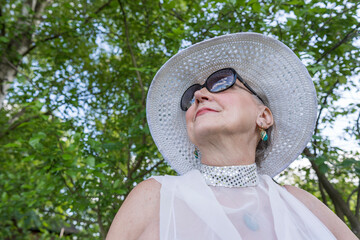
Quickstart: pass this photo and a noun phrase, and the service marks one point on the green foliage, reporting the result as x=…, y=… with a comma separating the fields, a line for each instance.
x=74, y=139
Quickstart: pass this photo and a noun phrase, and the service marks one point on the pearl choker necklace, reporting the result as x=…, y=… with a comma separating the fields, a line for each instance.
x=230, y=176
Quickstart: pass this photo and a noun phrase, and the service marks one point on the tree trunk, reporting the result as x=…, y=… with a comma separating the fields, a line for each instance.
x=7, y=76
x=338, y=200
x=335, y=196
x=20, y=43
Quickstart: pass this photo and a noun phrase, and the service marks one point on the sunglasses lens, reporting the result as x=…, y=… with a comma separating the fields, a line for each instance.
x=187, y=98
x=221, y=80
x=216, y=82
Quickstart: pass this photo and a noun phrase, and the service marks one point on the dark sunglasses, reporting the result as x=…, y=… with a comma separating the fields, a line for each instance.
x=217, y=82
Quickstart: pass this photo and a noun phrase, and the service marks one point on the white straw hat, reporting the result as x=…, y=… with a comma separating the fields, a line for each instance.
x=266, y=64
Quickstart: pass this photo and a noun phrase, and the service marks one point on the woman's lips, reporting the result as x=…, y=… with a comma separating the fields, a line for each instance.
x=202, y=111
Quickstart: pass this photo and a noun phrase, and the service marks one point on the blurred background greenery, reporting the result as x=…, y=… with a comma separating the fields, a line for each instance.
x=73, y=81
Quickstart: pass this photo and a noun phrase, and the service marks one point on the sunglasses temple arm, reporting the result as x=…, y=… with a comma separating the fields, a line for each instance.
x=250, y=89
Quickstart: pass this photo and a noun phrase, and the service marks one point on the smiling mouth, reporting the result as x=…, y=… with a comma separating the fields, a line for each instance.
x=202, y=111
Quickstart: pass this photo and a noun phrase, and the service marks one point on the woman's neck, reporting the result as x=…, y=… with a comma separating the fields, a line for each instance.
x=228, y=152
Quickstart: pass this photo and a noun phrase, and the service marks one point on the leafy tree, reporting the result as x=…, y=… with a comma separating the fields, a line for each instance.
x=73, y=81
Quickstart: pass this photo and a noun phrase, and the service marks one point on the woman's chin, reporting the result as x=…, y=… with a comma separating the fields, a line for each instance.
x=206, y=130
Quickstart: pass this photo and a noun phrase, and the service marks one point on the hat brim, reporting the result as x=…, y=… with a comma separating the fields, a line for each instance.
x=266, y=64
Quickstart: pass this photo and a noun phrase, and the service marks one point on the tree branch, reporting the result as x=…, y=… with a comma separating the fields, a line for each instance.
x=357, y=201
x=142, y=175
x=2, y=29
x=151, y=169
x=102, y=7
x=323, y=195
x=348, y=36
x=17, y=116
x=39, y=10
x=60, y=144
x=131, y=51
x=15, y=125
x=173, y=12
x=280, y=30
x=23, y=39
x=306, y=32
x=17, y=70
x=129, y=159
x=41, y=41
x=141, y=157
x=216, y=21
x=350, y=195
x=67, y=185
x=358, y=126
x=139, y=160
x=338, y=211
x=100, y=222
x=68, y=217
x=87, y=20
x=324, y=102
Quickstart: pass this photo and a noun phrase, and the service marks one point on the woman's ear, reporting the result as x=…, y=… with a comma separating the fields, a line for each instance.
x=265, y=118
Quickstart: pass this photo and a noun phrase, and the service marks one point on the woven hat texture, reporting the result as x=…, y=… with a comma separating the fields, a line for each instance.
x=266, y=64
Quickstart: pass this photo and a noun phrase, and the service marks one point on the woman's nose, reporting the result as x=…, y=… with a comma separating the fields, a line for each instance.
x=202, y=95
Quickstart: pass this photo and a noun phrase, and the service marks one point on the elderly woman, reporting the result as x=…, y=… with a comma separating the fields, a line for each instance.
x=228, y=114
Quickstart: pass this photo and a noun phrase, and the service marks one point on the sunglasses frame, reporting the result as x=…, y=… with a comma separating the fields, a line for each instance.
x=235, y=76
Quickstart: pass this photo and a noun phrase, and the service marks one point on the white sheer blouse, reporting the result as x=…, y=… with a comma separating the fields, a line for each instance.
x=190, y=209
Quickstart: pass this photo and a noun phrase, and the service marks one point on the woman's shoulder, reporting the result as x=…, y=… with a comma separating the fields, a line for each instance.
x=322, y=212
x=144, y=194
x=309, y=200
x=149, y=186
x=139, y=210
x=317, y=207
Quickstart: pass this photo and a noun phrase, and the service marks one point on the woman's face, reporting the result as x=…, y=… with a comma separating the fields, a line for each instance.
x=233, y=111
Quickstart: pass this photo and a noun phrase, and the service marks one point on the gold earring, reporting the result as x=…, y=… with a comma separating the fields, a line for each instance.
x=196, y=153
x=263, y=134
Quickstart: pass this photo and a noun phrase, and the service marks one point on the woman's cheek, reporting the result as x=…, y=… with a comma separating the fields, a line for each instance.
x=189, y=115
